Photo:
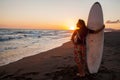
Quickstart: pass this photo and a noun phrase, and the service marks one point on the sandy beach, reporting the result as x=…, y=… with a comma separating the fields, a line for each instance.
x=58, y=64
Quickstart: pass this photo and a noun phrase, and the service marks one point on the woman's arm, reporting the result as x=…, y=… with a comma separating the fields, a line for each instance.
x=100, y=29
x=96, y=31
x=73, y=35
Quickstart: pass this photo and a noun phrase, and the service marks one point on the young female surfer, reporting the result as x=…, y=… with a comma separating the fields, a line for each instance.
x=79, y=40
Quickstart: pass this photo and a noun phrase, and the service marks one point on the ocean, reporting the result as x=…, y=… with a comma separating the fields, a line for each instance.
x=16, y=44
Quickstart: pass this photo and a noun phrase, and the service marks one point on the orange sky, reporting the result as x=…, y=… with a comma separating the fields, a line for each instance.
x=34, y=25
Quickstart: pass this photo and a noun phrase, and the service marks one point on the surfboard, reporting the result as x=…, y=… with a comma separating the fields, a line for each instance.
x=95, y=42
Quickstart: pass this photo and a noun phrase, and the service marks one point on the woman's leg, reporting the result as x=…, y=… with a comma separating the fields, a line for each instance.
x=83, y=58
x=80, y=59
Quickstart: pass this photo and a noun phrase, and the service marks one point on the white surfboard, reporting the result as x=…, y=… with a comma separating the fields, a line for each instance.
x=95, y=42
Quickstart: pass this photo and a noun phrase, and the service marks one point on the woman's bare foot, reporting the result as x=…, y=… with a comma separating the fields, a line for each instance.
x=81, y=75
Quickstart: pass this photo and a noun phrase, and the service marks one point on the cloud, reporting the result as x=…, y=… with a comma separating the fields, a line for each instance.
x=110, y=22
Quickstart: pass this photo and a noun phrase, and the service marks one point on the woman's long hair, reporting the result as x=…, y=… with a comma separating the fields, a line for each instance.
x=82, y=28
x=81, y=23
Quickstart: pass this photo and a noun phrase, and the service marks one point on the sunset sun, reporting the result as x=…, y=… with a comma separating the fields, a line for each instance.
x=72, y=28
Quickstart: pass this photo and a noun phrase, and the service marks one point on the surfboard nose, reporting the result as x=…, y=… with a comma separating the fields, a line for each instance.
x=96, y=3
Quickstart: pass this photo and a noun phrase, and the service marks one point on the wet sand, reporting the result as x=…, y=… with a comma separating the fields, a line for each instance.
x=58, y=64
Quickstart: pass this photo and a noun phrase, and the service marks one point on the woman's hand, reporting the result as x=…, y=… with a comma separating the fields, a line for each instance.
x=100, y=29
x=103, y=26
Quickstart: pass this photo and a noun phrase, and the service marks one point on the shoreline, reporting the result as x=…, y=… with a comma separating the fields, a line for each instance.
x=41, y=46
x=58, y=63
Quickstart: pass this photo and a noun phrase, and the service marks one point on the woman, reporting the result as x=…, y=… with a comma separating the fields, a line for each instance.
x=80, y=45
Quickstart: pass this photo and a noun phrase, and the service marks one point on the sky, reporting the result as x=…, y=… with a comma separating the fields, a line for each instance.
x=53, y=14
